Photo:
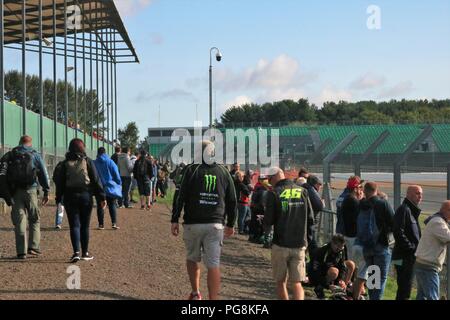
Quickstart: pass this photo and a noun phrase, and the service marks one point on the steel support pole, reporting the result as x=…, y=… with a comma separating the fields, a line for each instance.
x=75, y=70
x=90, y=79
x=370, y=151
x=41, y=86
x=2, y=78
x=448, y=181
x=115, y=93
x=103, y=93
x=84, y=86
x=96, y=80
x=107, y=87
x=66, y=87
x=111, y=72
x=55, y=87
x=24, y=76
x=402, y=158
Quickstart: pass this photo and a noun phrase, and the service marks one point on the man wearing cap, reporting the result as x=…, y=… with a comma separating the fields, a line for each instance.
x=289, y=210
x=314, y=185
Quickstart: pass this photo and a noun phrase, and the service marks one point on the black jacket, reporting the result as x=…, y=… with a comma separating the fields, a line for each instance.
x=324, y=259
x=407, y=231
x=314, y=197
x=350, y=210
x=207, y=195
x=242, y=190
x=148, y=169
x=95, y=187
x=384, y=217
x=289, y=210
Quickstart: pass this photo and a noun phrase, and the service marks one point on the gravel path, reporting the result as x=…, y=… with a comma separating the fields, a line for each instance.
x=139, y=261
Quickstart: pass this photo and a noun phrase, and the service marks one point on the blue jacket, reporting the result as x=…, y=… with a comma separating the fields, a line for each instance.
x=109, y=175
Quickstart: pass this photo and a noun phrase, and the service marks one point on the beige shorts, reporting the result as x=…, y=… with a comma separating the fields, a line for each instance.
x=287, y=261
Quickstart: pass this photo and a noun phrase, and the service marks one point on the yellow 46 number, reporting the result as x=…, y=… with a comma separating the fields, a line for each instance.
x=291, y=194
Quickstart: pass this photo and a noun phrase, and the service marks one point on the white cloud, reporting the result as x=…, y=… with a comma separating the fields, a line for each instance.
x=281, y=94
x=131, y=7
x=238, y=101
x=283, y=72
x=399, y=90
x=368, y=81
x=331, y=94
x=170, y=94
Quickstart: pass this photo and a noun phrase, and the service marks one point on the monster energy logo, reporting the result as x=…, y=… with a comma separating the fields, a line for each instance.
x=210, y=182
x=285, y=206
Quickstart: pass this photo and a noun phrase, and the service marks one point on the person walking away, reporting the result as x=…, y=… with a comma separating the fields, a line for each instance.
x=133, y=160
x=374, y=233
x=143, y=174
x=177, y=176
x=125, y=170
x=257, y=208
x=77, y=183
x=407, y=235
x=209, y=200
x=154, y=179
x=115, y=156
x=289, y=210
x=112, y=186
x=60, y=207
x=431, y=253
x=23, y=170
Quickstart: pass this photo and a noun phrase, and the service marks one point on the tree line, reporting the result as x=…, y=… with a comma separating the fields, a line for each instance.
x=14, y=93
x=362, y=112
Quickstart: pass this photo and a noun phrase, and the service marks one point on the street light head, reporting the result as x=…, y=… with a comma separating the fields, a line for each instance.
x=218, y=56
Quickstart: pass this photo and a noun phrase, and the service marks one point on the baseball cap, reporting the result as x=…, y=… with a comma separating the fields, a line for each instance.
x=313, y=180
x=354, y=182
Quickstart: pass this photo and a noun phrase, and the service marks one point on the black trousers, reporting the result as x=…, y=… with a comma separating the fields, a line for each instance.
x=405, y=275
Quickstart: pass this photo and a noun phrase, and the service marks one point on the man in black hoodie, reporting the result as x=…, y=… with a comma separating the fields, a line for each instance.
x=289, y=210
x=208, y=196
x=374, y=234
x=407, y=235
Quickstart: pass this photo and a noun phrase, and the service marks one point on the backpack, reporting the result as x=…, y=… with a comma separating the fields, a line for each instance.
x=340, y=226
x=21, y=171
x=57, y=171
x=367, y=228
x=77, y=174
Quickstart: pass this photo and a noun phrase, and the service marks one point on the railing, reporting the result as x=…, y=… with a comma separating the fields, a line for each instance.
x=326, y=229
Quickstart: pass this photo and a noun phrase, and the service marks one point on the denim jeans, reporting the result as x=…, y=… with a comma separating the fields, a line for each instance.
x=244, y=214
x=79, y=207
x=379, y=256
x=427, y=283
x=112, y=212
x=126, y=185
x=59, y=215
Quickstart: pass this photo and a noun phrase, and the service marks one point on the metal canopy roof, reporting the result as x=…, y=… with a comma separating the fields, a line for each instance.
x=97, y=15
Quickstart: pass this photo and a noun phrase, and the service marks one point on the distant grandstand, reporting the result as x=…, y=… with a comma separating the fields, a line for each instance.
x=300, y=145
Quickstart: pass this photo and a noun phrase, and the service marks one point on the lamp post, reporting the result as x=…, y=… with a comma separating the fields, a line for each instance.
x=218, y=58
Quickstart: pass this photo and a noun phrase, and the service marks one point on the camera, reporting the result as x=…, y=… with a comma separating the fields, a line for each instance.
x=219, y=56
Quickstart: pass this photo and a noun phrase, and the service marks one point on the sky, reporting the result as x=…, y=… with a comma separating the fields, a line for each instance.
x=322, y=50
